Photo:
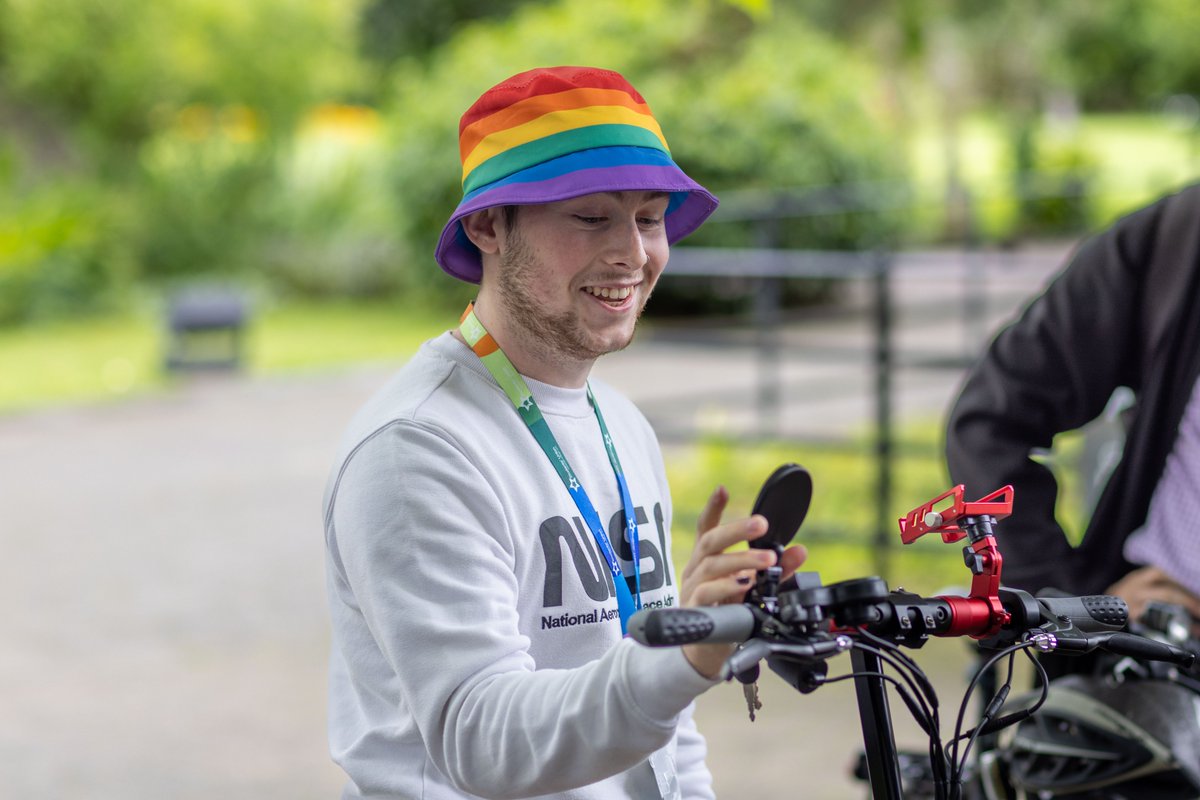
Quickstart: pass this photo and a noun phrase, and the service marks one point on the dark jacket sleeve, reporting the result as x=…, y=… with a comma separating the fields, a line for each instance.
x=1050, y=371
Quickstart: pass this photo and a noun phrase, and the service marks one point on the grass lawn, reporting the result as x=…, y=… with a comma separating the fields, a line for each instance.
x=103, y=359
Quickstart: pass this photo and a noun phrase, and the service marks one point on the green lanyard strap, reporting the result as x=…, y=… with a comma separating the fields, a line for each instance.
x=517, y=390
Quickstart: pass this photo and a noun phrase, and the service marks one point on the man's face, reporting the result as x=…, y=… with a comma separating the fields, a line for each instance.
x=576, y=274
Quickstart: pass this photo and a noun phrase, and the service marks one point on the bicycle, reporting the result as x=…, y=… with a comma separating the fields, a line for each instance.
x=797, y=625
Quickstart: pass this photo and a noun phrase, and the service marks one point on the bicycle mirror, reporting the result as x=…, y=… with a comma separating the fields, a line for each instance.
x=783, y=499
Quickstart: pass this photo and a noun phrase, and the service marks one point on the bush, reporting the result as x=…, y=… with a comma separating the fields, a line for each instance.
x=60, y=254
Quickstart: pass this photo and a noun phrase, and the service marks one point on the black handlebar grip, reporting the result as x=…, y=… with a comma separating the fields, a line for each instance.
x=1127, y=644
x=669, y=627
x=1089, y=614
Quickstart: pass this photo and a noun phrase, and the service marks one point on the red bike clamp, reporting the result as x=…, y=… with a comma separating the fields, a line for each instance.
x=980, y=614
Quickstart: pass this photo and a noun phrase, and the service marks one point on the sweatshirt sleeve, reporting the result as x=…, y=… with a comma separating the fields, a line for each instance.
x=695, y=781
x=1052, y=370
x=419, y=539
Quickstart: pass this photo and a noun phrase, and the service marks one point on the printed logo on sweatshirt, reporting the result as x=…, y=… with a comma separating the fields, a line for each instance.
x=572, y=555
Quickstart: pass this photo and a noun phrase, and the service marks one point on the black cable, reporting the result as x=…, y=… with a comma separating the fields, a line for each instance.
x=993, y=707
x=899, y=661
x=989, y=726
x=938, y=781
x=936, y=752
x=928, y=719
x=908, y=660
x=937, y=758
x=1018, y=716
x=955, y=765
x=924, y=719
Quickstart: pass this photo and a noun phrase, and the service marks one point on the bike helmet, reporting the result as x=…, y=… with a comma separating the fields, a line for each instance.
x=1097, y=738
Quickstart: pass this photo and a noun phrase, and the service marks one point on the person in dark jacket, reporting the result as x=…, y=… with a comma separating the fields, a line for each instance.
x=1124, y=312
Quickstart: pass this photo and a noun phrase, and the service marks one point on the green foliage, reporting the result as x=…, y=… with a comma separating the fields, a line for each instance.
x=392, y=29
x=59, y=254
x=146, y=138
x=1131, y=54
x=202, y=201
x=116, y=71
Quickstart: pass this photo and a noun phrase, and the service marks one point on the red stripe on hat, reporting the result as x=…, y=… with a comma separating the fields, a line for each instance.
x=531, y=108
x=543, y=81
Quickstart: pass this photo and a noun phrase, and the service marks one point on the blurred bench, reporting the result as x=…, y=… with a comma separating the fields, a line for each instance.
x=205, y=329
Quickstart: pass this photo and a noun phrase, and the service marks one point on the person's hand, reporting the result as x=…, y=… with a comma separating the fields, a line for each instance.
x=1146, y=584
x=713, y=576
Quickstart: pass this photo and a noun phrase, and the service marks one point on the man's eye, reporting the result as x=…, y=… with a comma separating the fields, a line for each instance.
x=589, y=220
x=650, y=222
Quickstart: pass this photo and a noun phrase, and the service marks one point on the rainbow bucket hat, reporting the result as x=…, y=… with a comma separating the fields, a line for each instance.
x=555, y=133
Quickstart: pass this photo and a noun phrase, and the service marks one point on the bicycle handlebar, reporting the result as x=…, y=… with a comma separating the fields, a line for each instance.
x=1066, y=624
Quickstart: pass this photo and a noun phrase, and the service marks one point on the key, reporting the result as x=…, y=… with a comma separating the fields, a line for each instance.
x=753, y=704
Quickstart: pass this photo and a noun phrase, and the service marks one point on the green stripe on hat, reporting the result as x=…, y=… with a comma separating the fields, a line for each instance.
x=558, y=144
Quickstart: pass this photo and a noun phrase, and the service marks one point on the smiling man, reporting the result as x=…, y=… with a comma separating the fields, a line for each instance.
x=494, y=517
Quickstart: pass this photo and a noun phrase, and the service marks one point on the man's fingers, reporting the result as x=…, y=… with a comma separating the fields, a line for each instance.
x=729, y=589
x=793, y=558
x=722, y=537
x=710, y=515
x=720, y=565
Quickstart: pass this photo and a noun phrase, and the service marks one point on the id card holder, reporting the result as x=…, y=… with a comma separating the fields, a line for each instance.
x=663, y=764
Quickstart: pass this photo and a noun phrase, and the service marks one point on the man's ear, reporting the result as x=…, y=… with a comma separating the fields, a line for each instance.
x=481, y=228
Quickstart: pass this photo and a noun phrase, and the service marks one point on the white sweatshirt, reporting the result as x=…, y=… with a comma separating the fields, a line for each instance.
x=476, y=645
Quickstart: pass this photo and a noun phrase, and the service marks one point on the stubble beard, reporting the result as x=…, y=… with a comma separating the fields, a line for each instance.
x=560, y=337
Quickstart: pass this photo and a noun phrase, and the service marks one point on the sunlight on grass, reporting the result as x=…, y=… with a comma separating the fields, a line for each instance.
x=64, y=362
x=98, y=360
x=310, y=336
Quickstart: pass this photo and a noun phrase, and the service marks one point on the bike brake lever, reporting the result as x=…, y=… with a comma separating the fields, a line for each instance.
x=1120, y=643
x=756, y=650
x=745, y=658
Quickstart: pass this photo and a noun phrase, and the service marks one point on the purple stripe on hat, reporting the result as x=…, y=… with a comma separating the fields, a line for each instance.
x=461, y=259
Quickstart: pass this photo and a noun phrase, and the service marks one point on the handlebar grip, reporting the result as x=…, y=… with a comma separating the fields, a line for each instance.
x=1089, y=614
x=668, y=627
x=1128, y=644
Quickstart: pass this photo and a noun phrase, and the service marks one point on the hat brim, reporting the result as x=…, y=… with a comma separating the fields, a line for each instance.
x=607, y=169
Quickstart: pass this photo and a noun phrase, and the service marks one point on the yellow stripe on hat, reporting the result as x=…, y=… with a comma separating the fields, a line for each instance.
x=557, y=122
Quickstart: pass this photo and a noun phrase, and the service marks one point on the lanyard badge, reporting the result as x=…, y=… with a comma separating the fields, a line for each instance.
x=518, y=393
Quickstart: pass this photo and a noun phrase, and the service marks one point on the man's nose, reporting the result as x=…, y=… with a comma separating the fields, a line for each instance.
x=627, y=246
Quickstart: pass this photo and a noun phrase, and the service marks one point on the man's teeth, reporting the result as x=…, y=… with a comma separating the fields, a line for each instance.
x=609, y=294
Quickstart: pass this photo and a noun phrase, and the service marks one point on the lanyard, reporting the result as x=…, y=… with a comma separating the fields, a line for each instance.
x=514, y=386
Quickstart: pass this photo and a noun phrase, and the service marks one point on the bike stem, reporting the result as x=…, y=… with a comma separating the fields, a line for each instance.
x=879, y=742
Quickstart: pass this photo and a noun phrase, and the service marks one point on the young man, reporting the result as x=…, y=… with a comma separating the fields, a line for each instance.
x=493, y=518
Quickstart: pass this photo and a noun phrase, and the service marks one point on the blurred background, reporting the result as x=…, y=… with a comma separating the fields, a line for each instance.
x=217, y=220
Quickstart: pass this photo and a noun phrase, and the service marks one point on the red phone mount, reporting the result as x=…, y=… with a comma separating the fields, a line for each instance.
x=980, y=614
x=925, y=519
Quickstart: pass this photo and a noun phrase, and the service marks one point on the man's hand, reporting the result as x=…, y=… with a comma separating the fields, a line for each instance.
x=1150, y=583
x=713, y=576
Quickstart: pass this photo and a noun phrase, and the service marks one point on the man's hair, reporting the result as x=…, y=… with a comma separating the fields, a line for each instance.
x=510, y=216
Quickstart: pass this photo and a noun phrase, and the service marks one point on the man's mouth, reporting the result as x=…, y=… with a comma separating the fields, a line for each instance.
x=613, y=295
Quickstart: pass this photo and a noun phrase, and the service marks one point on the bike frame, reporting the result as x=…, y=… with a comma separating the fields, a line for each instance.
x=879, y=740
